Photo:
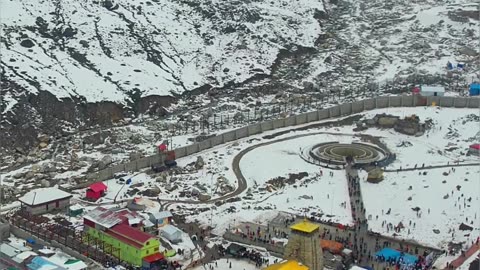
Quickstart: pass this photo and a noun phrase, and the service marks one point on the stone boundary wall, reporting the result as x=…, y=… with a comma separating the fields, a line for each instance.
x=275, y=249
x=20, y=233
x=257, y=128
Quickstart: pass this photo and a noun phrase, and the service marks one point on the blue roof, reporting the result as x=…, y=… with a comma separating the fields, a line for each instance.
x=389, y=253
x=474, y=85
x=41, y=263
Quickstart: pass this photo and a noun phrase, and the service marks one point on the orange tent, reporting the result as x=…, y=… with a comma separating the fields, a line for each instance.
x=332, y=246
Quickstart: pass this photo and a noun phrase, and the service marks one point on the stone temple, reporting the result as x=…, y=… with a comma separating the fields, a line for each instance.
x=304, y=245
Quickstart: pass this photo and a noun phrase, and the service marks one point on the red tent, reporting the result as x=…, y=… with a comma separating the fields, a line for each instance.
x=162, y=147
x=475, y=146
x=96, y=190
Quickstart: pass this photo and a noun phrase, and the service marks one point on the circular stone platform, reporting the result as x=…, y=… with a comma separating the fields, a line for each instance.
x=335, y=153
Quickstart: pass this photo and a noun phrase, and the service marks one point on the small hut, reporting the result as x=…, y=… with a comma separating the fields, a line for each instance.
x=375, y=175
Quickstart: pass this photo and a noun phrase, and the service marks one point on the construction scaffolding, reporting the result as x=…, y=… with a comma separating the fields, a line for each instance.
x=68, y=236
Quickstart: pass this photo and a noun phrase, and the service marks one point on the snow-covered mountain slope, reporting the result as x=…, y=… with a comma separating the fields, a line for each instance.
x=135, y=52
x=102, y=49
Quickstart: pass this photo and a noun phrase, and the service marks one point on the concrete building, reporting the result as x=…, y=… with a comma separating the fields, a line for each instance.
x=44, y=200
x=160, y=219
x=426, y=91
x=4, y=231
x=304, y=245
x=122, y=231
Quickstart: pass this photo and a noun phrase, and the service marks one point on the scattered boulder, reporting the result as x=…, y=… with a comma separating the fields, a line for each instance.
x=204, y=197
x=135, y=155
x=436, y=231
x=27, y=43
x=199, y=163
x=465, y=227
x=106, y=160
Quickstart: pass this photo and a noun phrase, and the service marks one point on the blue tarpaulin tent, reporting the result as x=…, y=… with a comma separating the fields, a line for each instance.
x=389, y=253
x=41, y=263
x=475, y=89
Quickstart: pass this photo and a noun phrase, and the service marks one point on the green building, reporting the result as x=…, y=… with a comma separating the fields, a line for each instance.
x=130, y=244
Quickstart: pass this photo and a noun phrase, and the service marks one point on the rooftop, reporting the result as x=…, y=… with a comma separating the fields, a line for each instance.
x=44, y=195
x=131, y=233
x=305, y=226
x=161, y=215
x=428, y=88
x=103, y=216
x=98, y=187
x=287, y=265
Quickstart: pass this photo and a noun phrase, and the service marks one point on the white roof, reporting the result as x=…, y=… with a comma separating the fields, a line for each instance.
x=43, y=195
x=161, y=215
x=23, y=256
x=8, y=250
x=427, y=88
x=170, y=229
x=76, y=207
x=357, y=268
x=61, y=258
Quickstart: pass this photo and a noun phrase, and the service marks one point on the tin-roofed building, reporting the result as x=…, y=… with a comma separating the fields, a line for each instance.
x=115, y=230
x=304, y=245
x=44, y=200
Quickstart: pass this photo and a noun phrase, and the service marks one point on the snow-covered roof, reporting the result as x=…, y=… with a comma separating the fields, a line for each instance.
x=66, y=261
x=161, y=215
x=8, y=250
x=23, y=256
x=43, y=195
x=104, y=217
x=170, y=230
x=427, y=88
x=75, y=207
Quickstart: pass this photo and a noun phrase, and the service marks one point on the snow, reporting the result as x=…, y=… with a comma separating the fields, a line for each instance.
x=225, y=264
x=428, y=193
x=43, y=195
x=162, y=47
x=283, y=158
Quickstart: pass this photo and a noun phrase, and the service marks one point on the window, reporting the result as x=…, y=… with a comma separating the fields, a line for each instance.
x=148, y=243
x=148, y=252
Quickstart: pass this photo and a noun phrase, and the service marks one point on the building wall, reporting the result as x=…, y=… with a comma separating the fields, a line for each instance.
x=45, y=208
x=128, y=253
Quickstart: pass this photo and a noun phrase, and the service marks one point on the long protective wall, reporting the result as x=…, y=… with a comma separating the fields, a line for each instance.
x=257, y=128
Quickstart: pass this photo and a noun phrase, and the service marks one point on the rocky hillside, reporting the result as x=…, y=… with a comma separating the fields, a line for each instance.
x=69, y=64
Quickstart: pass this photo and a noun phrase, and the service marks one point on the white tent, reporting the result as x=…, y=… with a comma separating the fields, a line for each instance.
x=171, y=233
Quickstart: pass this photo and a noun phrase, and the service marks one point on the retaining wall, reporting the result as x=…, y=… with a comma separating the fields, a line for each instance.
x=254, y=129
x=301, y=119
x=268, y=125
x=332, y=112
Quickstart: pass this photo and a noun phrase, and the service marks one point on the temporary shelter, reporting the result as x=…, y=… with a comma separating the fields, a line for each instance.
x=426, y=90
x=236, y=249
x=332, y=246
x=474, y=149
x=171, y=233
x=96, y=190
x=474, y=89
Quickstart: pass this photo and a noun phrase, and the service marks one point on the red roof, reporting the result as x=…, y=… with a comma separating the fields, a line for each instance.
x=475, y=146
x=131, y=233
x=98, y=187
x=154, y=257
x=124, y=239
